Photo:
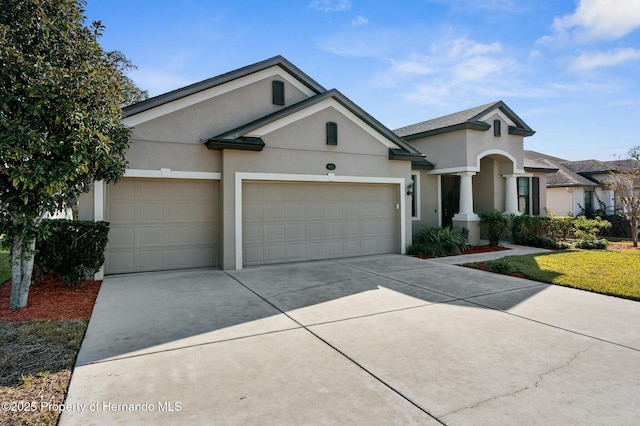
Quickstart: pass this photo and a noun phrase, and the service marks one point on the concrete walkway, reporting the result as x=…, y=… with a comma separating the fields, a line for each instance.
x=375, y=340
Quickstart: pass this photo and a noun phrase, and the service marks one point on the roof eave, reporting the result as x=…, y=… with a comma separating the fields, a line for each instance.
x=242, y=144
x=540, y=169
x=471, y=125
x=401, y=154
x=521, y=131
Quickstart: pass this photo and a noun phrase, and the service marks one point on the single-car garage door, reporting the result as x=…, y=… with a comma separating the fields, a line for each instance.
x=159, y=224
x=289, y=222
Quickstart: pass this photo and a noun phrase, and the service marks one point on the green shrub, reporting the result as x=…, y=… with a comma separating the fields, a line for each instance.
x=501, y=266
x=595, y=244
x=495, y=225
x=589, y=229
x=437, y=242
x=73, y=249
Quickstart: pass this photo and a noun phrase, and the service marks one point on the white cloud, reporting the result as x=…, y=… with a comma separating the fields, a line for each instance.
x=589, y=61
x=453, y=69
x=600, y=19
x=359, y=21
x=331, y=5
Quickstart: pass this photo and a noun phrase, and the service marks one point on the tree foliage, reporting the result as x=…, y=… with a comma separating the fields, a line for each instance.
x=625, y=181
x=60, y=119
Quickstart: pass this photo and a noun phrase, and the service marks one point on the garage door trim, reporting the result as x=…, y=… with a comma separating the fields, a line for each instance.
x=240, y=177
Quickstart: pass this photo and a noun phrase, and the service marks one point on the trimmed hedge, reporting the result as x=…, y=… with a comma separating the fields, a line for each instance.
x=72, y=248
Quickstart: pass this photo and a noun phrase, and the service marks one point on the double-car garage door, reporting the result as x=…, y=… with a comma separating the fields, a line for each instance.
x=290, y=222
x=161, y=224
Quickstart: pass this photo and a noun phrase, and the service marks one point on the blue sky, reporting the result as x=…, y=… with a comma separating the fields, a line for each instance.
x=570, y=69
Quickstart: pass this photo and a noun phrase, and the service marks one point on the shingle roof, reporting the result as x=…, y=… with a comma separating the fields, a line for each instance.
x=564, y=176
x=587, y=166
x=468, y=119
x=444, y=121
x=623, y=165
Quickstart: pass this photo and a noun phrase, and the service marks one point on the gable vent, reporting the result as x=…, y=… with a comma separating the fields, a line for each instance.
x=278, y=92
x=332, y=133
x=497, y=131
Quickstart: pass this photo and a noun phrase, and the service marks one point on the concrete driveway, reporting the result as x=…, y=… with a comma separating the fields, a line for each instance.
x=376, y=340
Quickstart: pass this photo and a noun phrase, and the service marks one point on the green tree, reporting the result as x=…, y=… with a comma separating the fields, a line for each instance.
x=129, y=92
x=625, y=181
x=60, y=119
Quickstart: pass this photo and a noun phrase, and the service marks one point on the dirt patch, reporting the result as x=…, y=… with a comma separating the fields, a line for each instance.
x=51, y=300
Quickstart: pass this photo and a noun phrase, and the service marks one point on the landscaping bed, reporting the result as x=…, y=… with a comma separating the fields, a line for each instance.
x=610, y=272
x=38, y=348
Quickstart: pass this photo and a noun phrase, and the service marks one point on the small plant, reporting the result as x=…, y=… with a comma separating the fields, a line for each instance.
x=495, y=225
x=437, y=242
x=501, y=266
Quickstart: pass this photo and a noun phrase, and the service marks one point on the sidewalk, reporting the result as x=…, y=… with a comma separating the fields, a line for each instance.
x=514, y=250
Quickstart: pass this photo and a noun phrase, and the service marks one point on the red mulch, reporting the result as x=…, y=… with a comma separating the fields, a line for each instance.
x=483, y=267
x=51, y=300
x=614, y=246
x=483, y=249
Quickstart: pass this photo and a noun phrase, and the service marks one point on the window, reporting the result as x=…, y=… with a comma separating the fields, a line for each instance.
x=497, y=130
x=414, y=191
x=332, y=133
x=529, y=195
x=588, y=201
x=278, y=92
x=523, y=195
x=535, y=196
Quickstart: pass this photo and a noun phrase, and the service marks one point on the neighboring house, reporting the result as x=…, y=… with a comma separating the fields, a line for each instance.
x=264, y=165
x=578, y=186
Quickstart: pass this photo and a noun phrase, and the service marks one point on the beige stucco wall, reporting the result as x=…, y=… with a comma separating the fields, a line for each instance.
x=300, y=148
x=214, y=116
x=428, y=200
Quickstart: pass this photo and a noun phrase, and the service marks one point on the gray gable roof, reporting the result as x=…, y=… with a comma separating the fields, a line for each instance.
x=221, y=79
x=588, y=166
x=564, y=176
x=467, y=119
x=237, y=135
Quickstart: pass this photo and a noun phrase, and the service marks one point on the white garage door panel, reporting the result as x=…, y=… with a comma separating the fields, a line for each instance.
x=287, y=222
x=159, y=224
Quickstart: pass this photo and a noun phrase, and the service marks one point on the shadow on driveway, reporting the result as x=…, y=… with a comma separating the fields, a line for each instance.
x=152, y=312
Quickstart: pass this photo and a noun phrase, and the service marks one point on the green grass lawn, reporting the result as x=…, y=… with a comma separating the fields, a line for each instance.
x=5, y=266
x=613, y=272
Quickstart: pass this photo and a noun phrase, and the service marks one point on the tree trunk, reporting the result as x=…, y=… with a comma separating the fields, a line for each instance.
x=21, y=269
x=634, y=230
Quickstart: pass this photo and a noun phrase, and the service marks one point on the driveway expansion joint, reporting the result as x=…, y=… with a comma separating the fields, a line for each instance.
x=347, y=357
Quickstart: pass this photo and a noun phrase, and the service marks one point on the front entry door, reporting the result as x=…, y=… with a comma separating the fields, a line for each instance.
x=450, y=199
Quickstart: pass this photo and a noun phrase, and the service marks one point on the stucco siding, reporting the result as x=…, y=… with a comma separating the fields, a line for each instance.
x=560, y=200
x=216, y=115
x=152, y=155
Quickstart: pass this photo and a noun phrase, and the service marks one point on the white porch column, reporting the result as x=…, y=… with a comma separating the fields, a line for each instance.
x=466, y=198
x=511, y=194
